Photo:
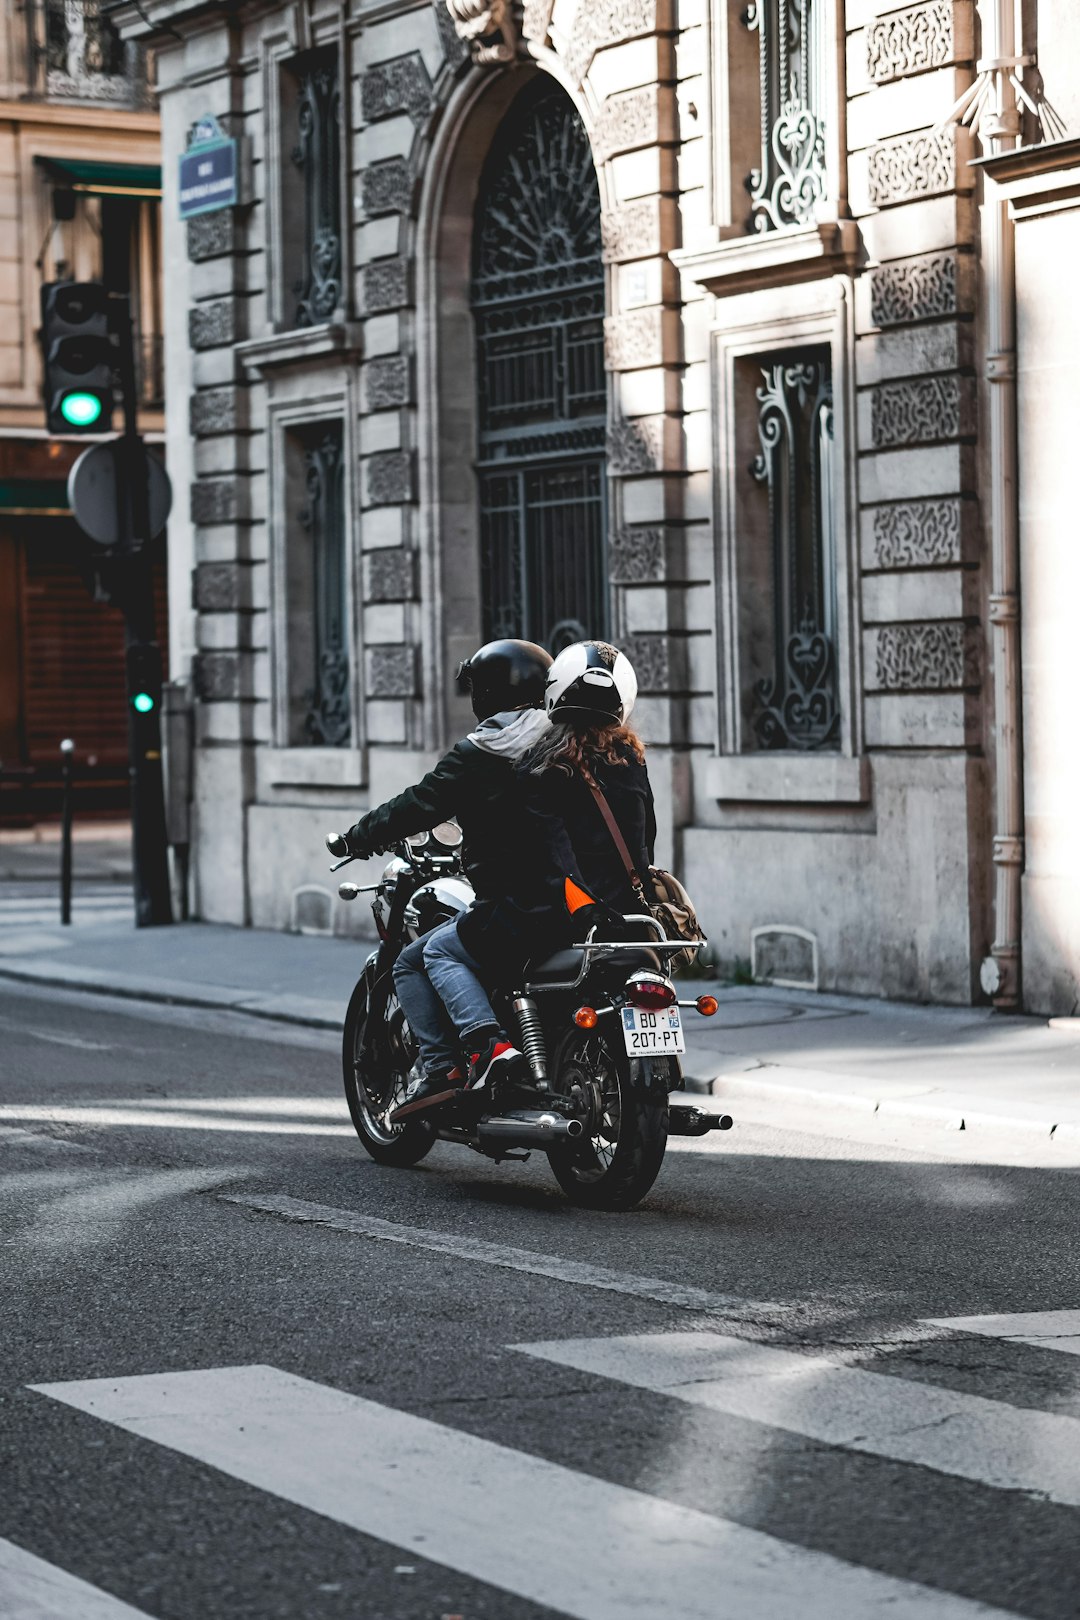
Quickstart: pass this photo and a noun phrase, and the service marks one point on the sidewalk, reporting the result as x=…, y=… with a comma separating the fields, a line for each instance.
x=950, y=1067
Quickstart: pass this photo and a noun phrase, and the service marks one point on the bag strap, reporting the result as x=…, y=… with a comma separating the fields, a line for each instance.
x=616, y=834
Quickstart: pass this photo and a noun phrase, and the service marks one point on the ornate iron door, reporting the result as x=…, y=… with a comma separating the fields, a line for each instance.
x=538, y=304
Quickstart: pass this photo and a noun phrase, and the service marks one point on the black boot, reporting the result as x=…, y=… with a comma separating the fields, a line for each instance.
x=427, y=1091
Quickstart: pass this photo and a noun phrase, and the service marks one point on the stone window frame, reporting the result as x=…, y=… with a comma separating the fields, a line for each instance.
x=309, y=401
x=802, y=316
x=729, y=254
x=278, y=51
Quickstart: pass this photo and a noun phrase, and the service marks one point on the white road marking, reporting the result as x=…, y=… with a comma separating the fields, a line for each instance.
x=1051, y=1330
x=504, y=1517
x=143, y=1113
x=1008, y=1447
x=498, y=1254
x=32, y=1589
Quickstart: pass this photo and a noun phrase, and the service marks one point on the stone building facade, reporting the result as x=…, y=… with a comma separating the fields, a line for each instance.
x=666, y=319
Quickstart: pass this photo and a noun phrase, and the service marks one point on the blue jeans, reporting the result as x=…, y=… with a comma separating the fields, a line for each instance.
x=436, y=1006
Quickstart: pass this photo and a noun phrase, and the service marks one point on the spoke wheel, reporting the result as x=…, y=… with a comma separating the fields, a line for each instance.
x=623, y=1106
x=376, y=1077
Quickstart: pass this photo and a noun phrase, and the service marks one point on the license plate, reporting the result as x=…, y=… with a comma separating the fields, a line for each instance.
x=653, y=1034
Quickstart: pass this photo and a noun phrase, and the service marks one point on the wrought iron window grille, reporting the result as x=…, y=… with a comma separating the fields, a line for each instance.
x=538, y=309
x=797, y=706
x=790, y=181
x=317, y=155
x=328, y=721
x=77, y=55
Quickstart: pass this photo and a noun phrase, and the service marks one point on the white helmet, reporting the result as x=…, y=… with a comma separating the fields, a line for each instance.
x=591, y=683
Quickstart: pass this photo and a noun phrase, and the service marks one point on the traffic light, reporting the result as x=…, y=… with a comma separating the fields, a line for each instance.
x=144, y=678
x=79, y=357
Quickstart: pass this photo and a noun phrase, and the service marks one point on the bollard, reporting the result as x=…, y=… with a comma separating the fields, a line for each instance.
x=67, y=753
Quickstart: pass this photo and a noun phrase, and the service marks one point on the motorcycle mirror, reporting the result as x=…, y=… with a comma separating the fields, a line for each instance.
x=348, y=891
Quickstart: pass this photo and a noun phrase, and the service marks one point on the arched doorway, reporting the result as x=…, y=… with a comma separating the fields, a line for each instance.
x=538, y=305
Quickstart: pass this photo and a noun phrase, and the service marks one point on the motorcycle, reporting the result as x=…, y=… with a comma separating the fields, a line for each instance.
x=599, y=1025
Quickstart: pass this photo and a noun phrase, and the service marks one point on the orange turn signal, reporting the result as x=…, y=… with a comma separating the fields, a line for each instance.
x=585, y=1018
x=707, y=1005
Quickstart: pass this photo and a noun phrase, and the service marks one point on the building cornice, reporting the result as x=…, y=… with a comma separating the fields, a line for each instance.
x=80, y=115
x=1040, y=179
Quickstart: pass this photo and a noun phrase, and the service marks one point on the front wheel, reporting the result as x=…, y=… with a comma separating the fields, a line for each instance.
x=623, y=1102
x=376, y=1076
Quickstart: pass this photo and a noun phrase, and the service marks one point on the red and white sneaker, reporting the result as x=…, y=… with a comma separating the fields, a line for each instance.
x=497, y=1059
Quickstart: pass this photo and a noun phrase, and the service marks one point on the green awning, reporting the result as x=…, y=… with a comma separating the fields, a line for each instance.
x=105, y=179
x=33, y=497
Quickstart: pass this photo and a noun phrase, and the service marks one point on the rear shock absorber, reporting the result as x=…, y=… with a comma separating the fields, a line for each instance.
x=532, y=1039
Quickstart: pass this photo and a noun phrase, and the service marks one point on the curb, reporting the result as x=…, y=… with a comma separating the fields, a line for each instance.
x=64, y=977
x=931, y=1106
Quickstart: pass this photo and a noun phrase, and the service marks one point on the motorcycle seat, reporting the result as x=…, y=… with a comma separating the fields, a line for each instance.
x=564, y=966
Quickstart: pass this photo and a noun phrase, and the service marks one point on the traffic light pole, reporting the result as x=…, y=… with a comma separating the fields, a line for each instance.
x=150, y=861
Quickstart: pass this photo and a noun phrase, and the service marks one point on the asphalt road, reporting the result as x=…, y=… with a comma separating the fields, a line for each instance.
x=736, y=1402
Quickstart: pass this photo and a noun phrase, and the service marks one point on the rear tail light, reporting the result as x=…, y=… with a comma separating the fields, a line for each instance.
x=651, y=993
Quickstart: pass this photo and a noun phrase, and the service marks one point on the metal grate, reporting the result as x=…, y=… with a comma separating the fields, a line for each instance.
x=317, y=154
x=76, y=54
x=538, y=306
x=790, y=182
x=328, y=718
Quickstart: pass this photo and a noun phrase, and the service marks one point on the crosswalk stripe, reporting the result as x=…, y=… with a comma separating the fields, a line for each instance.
x=32, y=1589
x=1050, y=1330
x=577, y=1544
x=1008, y=1447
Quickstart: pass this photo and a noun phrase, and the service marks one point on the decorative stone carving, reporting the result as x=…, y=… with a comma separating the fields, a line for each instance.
x=632, y=232
x=922, y=411
x=636, y=556
x=216, y=587
x=488, y=27
x=390, y=575
x=391, y=672
x=918, y=534
x=385, y=285
x=211, y=326
x=217, y=676
x=650, y=654
x=914, y=289
x=634, y=446
x=401, y=85
x=635, y=339
x=214, y=500
x=213, y=410
x=387, y=382
x=919, y=165
x=389, y=478
x=386, y=188
x=536, y=20
x=919, y=657
x=910, y=41
x=627, y=122
x=454, y=47
x=211, y=236
x=606, y=22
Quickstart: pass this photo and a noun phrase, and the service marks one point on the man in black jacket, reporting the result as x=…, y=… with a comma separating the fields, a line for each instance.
x=472, y=785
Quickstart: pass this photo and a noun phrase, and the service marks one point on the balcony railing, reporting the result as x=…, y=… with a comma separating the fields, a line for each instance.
x=77, y=55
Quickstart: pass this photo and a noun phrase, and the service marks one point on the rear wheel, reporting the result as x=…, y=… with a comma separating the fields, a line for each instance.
x=623, y=1103
x=376, y=1077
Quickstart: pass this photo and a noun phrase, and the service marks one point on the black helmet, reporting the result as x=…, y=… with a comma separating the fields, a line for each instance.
x=505, y=675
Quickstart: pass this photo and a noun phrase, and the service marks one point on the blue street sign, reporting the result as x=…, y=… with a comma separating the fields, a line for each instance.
x=209, y=171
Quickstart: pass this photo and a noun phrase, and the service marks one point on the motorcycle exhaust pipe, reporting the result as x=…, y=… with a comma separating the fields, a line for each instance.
x=696, y=1122
x=530, y=1128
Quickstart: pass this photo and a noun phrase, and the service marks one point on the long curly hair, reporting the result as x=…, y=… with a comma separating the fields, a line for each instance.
x=563, y=748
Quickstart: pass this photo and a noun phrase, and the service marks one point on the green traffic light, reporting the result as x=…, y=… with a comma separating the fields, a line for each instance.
x=81, y=410
x=142, y=702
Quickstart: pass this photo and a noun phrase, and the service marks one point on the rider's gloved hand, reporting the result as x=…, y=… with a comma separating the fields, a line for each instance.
x=608, y=923
x=339, y=846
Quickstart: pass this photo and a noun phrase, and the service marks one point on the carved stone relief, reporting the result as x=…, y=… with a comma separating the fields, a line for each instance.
x=217, y=676
x=915, y=289
x=387, y=382
x=919, y=657
x=391, y=672
x=922, y=411
x=918, y=534
x=635, y=339
x=213, y=410
x=627, y=122
x=921, y=165
x=398, y=86
x=454, y=47
x=217, y=587
x=650, y=654
x=607, y=22
x=634, y=231
x=389, y=478
x=386, y=188
x=636, y=556
x=910, y=41
x=389, y=576
x=635, y=446
x=214, y=500
x=211, y=236
x=489, y=28
x=536, y=20
x=385, y=284
x=211, y=326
